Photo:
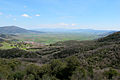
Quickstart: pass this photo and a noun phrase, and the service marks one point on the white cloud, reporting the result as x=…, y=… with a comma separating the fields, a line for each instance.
x=1, y=13
x=26, y=15
x=58, y=25
x=63, y=24
x=74, y=24
x=37, y=15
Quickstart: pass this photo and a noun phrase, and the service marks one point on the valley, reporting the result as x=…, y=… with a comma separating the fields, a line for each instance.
x=59, y=39
x=49, y=38
x=31, y=59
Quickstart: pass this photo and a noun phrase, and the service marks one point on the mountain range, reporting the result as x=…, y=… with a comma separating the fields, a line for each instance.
x=19, y=30
x=15, y=30
x=82, y=31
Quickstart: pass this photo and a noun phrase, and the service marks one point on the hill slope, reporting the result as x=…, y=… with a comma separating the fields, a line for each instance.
x=111, y=38
x=15, y=29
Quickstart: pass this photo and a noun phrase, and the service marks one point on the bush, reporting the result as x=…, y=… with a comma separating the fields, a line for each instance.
x=111, y=73
x=79, y=74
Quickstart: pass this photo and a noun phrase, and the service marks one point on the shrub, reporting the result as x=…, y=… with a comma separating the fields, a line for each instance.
x=111, y=73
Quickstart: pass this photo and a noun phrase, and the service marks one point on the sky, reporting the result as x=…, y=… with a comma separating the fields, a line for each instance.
x=68, y=14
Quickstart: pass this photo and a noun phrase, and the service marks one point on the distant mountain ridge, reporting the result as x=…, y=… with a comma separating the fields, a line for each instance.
x=88, y=31
x=15, y=30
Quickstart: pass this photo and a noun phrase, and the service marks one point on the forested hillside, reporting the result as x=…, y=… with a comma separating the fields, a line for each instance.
x=69, y=60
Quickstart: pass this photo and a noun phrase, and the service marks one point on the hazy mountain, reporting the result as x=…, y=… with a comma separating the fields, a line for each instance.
x=83, y=31
x=15, y=29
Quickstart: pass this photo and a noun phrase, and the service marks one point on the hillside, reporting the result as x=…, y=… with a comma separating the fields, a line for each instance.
x=111, y=38
x=15, y=29
x=68, y=60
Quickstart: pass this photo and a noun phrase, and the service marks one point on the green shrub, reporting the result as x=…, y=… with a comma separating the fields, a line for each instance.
x=111, y=73
x=79, y=74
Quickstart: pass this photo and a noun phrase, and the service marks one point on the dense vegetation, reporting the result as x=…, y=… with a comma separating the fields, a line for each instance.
x=68, y=60
x=67, y=69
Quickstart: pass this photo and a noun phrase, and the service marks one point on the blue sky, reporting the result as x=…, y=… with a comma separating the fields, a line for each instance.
x=71, y=14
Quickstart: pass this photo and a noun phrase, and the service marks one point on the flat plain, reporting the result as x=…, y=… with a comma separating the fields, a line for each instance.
x=49, y=38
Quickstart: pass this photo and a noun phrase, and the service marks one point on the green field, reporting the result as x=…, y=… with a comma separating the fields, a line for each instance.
x=48, y=38
x=6, y=46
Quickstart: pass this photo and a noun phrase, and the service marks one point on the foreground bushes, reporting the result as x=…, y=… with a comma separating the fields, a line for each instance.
x=67, y=69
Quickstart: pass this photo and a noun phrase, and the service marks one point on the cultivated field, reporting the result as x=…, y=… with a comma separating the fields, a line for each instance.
x=48, y=38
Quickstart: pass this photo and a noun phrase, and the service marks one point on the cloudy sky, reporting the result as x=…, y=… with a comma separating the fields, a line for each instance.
x=71, y=14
